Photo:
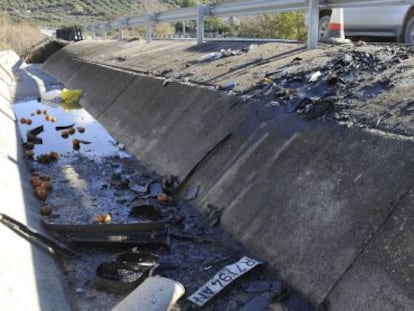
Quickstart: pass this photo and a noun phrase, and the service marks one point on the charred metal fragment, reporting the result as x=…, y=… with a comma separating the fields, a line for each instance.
x=47, y=244
x=143, y=233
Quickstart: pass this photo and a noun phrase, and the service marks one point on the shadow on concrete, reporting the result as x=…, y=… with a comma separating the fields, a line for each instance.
x=48, y=83
x=215, y=46
x=26, y=86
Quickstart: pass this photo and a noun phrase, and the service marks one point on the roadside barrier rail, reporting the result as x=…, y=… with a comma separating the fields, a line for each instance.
x=240, y=8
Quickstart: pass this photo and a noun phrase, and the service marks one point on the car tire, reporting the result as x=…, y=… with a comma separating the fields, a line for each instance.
x=409, y=31
x=324, y=27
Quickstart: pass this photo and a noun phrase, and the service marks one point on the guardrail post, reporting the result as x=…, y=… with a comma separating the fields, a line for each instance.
x=200, y=23
x=313, y=27
x=120, y=33
x=148, y=28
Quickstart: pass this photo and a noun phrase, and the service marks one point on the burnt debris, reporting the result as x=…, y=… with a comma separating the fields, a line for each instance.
x=329, y=90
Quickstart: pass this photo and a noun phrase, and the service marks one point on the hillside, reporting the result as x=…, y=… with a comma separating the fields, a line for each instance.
x=56, y=13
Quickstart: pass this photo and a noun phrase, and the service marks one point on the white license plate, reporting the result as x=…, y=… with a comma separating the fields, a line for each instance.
x=222, y=278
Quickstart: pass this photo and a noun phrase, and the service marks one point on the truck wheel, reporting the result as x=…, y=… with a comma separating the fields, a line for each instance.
x=324, y=27
x=409, y=31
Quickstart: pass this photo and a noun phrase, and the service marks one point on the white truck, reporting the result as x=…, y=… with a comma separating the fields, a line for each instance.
x=381, y=21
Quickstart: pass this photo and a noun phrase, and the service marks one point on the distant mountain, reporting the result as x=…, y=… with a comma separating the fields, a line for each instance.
x=56, y=13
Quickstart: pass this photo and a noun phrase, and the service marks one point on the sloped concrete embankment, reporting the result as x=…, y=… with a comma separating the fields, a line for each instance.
x=30, y=278
x=326, y=206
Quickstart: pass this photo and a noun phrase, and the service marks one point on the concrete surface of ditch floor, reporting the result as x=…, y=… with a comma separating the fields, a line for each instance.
x=84, y=186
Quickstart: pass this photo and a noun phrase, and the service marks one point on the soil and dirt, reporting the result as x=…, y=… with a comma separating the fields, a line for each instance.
x=43, y=49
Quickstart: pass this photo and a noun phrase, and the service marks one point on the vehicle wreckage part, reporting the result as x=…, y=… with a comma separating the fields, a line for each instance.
x=258, y=286
x=222, y=278
x=146, y=211
x=127, y=272
x=35, y=131
x=116, y=277
x=138, y=259
x=105, y=228
x=154, y=294
x=40, y=240
x=259, y=303
x=133, y=233
x=187, y=237
x=192, y=193
x=64, y=127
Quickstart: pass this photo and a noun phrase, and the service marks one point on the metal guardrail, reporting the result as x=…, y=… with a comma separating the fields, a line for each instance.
x=242, y=8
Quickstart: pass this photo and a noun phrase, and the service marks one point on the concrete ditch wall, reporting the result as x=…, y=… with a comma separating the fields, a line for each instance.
x=321, y=203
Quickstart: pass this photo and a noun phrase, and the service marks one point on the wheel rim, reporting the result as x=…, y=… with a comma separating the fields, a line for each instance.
x=324, y=27
x=409, y=31
x=410, y=35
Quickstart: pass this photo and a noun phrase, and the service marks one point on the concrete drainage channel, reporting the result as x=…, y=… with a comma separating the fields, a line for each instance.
x=306, y=168
x=105, y=225
x=310, y=169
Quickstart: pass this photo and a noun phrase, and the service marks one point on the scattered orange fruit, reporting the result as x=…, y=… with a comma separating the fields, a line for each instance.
x=53, y=120
x=163, y=197
x=81, y=129
x=64, y=134
x=46, y=185
x=71, y=130
x=38, y=111
x=54, y=155
x=23, y=121
x=45, y=112
x=41, y=193
x=29, y=154
x=47, y=117
x=76, y=144
x=103, y=219
x=28, y=121
x=35, y=180
x=46, y=210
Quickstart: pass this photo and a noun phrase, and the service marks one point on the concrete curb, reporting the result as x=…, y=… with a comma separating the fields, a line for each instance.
x=30, y=278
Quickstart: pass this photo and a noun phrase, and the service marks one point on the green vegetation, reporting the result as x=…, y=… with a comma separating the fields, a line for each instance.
x=188, y=3
x=57, y=13
x=289, y=25
x=61, y=13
